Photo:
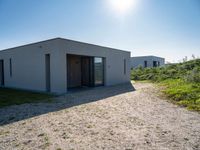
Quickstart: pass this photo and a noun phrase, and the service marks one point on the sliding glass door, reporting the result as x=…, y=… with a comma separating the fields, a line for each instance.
x=98, y=71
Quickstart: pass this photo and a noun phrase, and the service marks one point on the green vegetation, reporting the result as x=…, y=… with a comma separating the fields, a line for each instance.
x=181, y=81
x=16, y=97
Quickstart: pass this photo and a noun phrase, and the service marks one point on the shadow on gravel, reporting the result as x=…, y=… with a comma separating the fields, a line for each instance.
x=20, y=112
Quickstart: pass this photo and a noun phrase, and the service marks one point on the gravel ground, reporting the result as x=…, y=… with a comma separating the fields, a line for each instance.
x=117, y=117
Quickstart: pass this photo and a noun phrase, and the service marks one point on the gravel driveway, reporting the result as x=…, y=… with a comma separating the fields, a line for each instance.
x=117, y=117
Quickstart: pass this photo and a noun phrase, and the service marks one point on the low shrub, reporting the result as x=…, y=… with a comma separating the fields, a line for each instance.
x=193, y=75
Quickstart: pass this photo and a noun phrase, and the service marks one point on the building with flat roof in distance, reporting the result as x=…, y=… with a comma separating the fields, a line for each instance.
x=57, y=65
x=147, y=61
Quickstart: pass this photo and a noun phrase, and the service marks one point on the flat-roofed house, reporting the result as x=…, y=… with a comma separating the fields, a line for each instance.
x=57, y=65
x=147, y=61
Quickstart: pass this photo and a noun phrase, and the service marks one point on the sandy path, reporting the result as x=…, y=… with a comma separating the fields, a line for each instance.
x=118, y=118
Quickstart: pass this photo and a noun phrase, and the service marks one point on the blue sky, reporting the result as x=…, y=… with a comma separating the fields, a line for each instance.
x=167, y=28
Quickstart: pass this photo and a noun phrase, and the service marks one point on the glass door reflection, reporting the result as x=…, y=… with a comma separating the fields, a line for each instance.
x=98, y=71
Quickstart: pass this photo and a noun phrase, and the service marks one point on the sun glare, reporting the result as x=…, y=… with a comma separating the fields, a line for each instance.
x=122, y=6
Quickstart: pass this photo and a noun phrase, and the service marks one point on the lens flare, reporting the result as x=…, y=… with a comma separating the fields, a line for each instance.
x=122, y=6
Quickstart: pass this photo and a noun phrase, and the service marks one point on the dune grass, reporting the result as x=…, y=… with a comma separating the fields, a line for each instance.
x=184, y=94
x=10, y=97
x=181, y=82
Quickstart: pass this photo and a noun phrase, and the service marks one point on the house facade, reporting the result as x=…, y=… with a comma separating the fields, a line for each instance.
x=147, y=61
x=58, y=65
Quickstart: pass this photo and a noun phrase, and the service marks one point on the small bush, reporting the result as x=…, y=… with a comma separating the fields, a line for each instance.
x=193, y=76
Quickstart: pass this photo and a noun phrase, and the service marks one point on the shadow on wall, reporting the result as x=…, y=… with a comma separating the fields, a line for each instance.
x=20, y=112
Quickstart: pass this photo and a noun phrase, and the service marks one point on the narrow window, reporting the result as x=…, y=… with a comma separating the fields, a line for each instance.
x=124, y=66
x=10, y=67
x=48, y=72
x=145, y=63
x=2, y=83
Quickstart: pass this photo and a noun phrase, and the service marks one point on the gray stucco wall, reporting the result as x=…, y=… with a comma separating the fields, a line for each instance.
x=28, y=64
x=139, y=61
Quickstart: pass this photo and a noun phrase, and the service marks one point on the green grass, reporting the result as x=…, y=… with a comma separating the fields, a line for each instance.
x=182, y=93
x=181, y=82
x=10, y=97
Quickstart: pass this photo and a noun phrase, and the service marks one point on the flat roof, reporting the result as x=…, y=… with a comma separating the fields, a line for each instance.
x=147, y=56
x=58, y=38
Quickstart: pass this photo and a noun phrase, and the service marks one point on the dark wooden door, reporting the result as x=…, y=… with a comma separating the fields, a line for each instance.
x=85, y=69
x=73, y=71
